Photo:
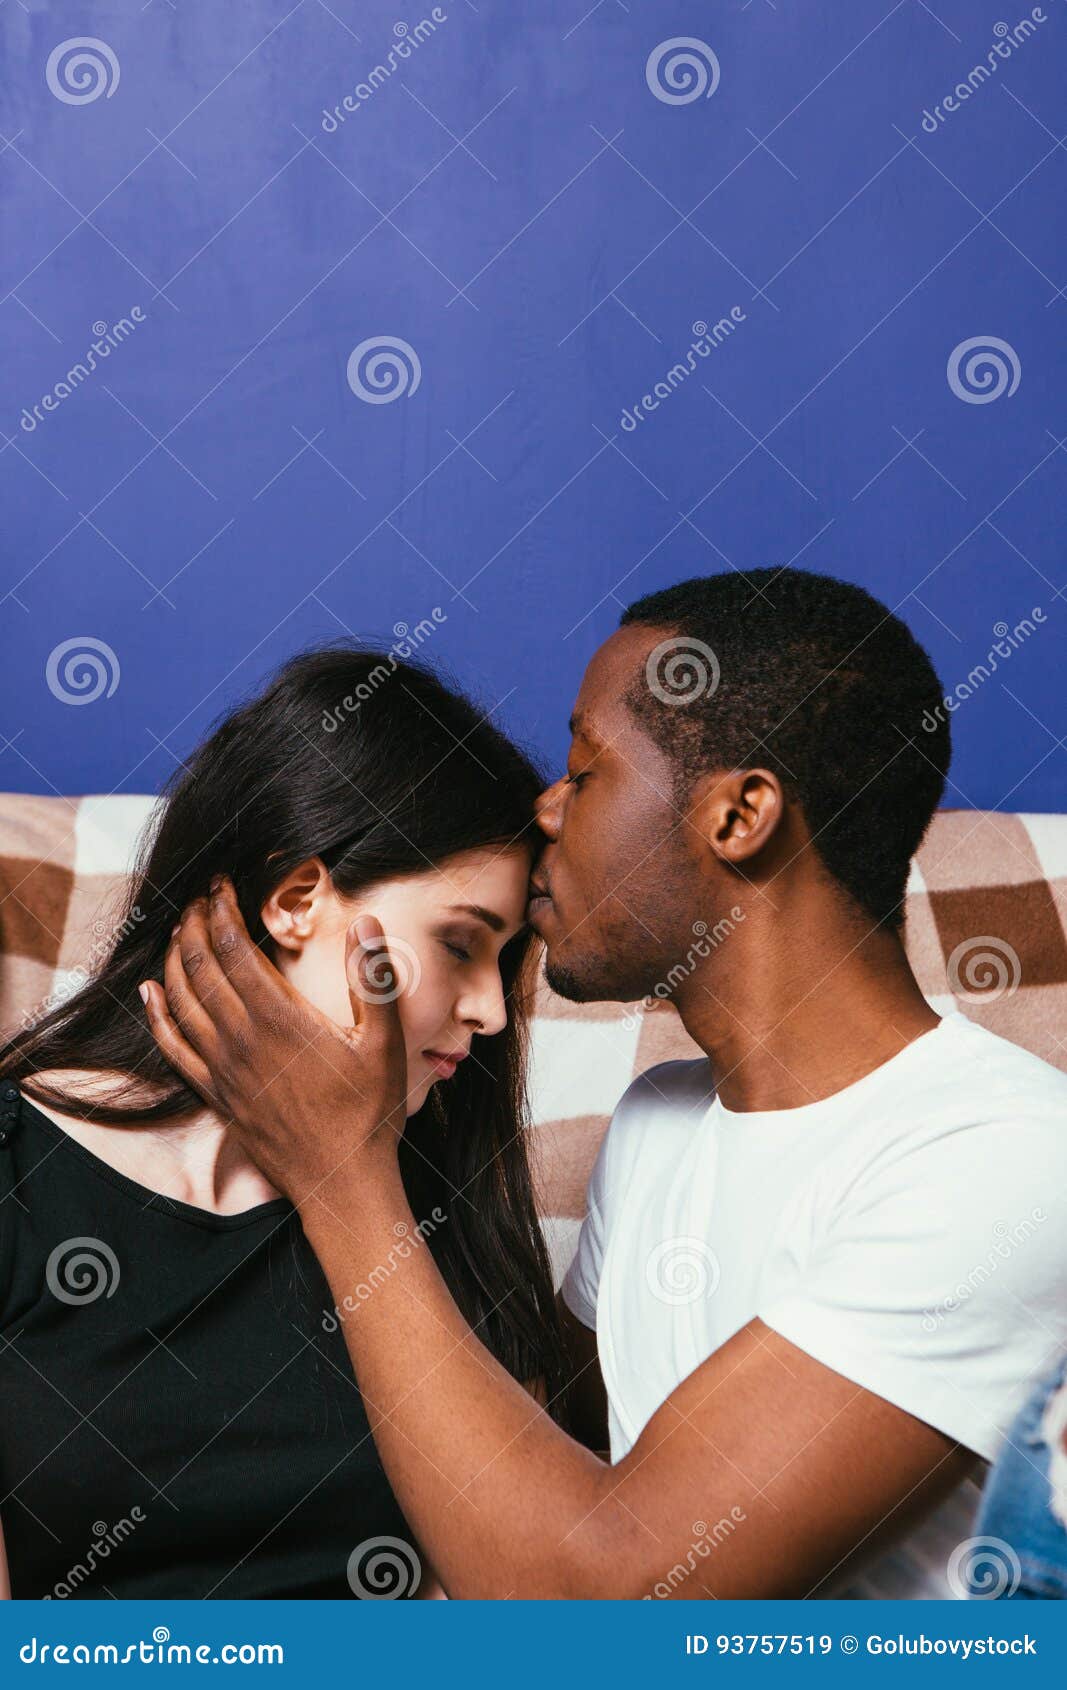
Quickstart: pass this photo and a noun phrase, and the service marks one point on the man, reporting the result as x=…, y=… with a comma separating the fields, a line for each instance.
x=799, y=1366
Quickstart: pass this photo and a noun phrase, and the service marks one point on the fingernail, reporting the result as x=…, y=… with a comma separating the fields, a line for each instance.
x=176, y=929
x=216, y=882
x=142, y=991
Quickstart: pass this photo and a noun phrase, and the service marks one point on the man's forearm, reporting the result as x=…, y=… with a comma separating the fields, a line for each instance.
x=458, y=1436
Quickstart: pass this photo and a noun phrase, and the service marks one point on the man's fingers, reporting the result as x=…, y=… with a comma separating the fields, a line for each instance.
x=375, y=980
x=205, y=979
x=240, y=960
x=174, y=1045
x=246, y=970
x=183, y=1006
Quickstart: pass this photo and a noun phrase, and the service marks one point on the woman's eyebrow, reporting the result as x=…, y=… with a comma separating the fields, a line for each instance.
x=490, y=917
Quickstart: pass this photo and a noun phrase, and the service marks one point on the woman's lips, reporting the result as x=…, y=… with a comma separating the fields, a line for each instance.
x=443, y=1066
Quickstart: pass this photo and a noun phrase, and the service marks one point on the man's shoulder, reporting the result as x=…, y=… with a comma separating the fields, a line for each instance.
x=681, y=1090
x=663, y=1104
x=972, y=1070
x=978, y=1123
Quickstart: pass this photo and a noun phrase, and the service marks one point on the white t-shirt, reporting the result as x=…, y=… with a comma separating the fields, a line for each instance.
x=909, y=1232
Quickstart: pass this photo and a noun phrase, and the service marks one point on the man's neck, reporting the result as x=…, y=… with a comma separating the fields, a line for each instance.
x=800, y=1009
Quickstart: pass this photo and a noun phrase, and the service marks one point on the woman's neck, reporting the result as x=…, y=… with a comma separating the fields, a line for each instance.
x=192, y=1159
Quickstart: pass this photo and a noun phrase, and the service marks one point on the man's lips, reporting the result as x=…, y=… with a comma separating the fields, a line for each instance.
x=539, y=899
x=445, y=1062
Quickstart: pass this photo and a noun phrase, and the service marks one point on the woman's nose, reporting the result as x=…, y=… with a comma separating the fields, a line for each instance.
x=485, y=1008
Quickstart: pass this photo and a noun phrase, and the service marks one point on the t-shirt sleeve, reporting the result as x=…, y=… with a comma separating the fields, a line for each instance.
x=939, y=1281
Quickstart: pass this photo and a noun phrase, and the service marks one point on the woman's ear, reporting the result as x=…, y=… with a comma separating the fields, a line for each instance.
x=295, y=908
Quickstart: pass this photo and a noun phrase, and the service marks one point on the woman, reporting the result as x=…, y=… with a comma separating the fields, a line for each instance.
x=1019, y=1552
x=180, y=1414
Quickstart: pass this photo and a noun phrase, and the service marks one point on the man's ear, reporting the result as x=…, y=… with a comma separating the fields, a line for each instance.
x=737, y=813
x=295, y=907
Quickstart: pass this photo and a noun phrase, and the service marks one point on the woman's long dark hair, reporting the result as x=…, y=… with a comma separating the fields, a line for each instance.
x=378, y=768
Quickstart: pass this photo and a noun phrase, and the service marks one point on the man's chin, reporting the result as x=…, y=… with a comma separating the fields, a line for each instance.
x=579, y=985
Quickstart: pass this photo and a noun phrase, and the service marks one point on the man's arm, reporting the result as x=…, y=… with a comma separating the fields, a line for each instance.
x=787, y=1468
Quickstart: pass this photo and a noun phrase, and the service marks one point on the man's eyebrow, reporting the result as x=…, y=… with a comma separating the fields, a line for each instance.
x=578, y=727
x=490, y=917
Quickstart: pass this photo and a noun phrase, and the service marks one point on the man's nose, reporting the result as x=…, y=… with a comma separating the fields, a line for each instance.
x=548, y=808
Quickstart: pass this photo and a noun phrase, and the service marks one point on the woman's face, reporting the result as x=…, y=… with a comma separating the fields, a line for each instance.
x=445, y=930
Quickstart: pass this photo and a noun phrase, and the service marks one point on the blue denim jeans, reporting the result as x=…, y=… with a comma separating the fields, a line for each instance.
x=1015, y=1502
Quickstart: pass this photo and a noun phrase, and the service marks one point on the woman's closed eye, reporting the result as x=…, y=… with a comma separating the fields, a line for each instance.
x=458, y=945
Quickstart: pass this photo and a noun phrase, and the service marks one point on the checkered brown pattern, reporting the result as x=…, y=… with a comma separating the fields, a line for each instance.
x=986, y=930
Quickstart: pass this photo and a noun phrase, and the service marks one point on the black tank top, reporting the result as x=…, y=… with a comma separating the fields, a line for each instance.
x=177, y=1417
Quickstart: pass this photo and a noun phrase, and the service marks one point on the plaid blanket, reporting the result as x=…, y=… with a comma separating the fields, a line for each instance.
x=986, y=920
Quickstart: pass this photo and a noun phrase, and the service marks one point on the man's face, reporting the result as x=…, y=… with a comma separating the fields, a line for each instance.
x=622, y=879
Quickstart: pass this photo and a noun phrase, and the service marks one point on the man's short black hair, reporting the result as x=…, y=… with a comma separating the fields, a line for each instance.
x=820, y=683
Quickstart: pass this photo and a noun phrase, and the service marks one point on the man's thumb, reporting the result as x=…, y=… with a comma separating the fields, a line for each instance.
x=375, y=977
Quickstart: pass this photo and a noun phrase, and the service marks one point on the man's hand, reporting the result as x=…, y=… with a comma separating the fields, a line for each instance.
x=304, y=1094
